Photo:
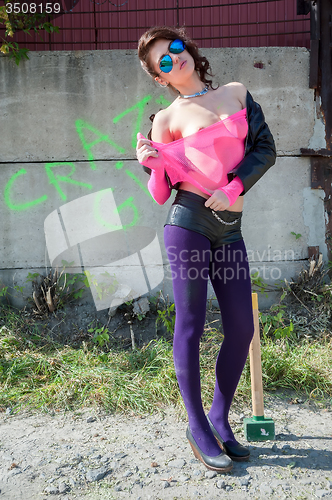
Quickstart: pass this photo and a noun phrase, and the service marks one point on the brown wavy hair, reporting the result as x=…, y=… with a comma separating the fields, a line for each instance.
x=202, y=65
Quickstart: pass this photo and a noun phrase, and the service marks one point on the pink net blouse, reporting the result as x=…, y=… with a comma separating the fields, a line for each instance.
x=203, y=159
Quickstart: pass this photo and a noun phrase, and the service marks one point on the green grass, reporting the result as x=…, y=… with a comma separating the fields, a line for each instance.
x=37, y=373
x=302, y=366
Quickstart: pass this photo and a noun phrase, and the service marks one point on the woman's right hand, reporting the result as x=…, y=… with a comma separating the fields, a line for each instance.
x=144, y=149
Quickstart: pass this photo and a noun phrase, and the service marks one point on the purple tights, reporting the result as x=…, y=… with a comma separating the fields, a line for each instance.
x=192, y=263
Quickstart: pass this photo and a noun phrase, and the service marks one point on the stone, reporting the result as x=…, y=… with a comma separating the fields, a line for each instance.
x=96, y=474
x=322, y=493
x=92, y=451
x=221, y=484
x=90, y=419
x=183, y=478
x=141, y=307
x=286, y=447
x=96, y=457
x=112, y=311
x=15, y=471
x=127, y=474
x=72, y=482
x=51, y=490
x=274, y=448
x=210, y=474
x=118, y=487
x=166, y=484
x=63, y=487
x=314, y=454
x=244, y=481
x=178, y=463
x=265, y=489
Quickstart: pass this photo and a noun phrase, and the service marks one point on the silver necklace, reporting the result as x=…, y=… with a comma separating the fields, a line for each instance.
x=202, y=92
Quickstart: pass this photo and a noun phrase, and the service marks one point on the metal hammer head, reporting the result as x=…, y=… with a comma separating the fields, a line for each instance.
x=259, y=429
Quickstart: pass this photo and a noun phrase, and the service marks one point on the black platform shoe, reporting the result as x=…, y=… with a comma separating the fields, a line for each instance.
x=238, y=453
x=220, y=463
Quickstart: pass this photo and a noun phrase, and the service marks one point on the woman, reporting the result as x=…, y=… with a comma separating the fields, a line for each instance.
x=212, y=144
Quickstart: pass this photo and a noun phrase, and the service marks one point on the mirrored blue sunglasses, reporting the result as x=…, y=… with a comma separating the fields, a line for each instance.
x=166, y=63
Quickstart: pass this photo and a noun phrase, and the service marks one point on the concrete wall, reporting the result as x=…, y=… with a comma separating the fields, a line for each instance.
x=70, y=182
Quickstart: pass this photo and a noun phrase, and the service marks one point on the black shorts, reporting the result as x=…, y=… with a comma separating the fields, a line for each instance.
x=189, y=211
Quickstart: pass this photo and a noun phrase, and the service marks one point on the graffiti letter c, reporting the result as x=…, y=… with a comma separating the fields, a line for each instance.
x=20, y=206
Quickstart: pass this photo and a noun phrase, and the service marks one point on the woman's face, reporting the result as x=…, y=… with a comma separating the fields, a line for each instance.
x=183, y=63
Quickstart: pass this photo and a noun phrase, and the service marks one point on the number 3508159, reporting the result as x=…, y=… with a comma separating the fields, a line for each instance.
x=33, y=8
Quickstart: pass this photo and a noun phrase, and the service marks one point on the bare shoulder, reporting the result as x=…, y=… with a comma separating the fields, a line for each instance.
x=160, y=127
x=237, y=90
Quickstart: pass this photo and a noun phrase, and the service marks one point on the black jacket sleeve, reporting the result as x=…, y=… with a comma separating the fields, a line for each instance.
x=260, y=151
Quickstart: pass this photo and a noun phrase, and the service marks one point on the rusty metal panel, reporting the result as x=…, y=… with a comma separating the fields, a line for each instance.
x=74, y=38
x=325, y=64
x=321, y=173
x=212, y=23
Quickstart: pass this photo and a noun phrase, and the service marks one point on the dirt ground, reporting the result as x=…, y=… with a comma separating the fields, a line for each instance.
x=91, y=455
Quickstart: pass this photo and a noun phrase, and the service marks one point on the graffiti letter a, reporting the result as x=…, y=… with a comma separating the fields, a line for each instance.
x=82, y=127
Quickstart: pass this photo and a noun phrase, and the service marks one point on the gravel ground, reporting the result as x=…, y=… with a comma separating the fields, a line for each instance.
x=92, y=456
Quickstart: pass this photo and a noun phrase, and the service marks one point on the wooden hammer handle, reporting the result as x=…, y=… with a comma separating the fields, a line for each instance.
x=256, y=365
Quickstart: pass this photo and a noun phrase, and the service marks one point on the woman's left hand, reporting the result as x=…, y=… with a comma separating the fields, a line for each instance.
x=217, y=201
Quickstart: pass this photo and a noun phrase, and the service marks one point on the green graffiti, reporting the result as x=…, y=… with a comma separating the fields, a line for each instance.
x=140, y=106
x=97, y=214
x=136, y=179
x=20, y=206
x=162, y=101
x=127, y=203
x=81, y=126
x=56, y=179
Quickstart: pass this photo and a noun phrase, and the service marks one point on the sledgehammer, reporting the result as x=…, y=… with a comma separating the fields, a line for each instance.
x=257, y=428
